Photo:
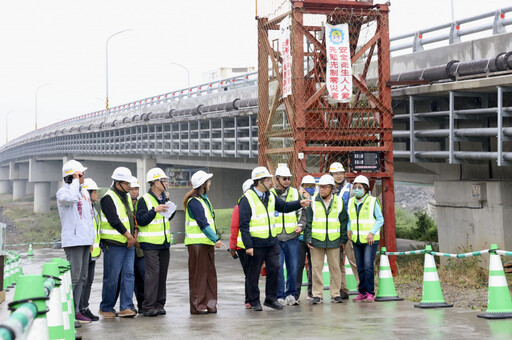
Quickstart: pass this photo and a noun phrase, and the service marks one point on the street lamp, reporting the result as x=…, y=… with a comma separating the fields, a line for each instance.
x=188, y=72
x=106, y=54
x=37, y=90
x=6, y=120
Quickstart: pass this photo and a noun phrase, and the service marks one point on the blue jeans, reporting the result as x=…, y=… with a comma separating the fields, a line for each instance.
x=365, y=260
x=289, y=253
x=117, y=260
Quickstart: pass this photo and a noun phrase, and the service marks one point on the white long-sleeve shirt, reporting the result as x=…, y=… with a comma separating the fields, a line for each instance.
x=76, y=215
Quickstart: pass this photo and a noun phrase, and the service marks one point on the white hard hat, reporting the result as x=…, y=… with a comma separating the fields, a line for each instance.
x=154, y=174
x=362, y=179
x=247, y=185
x=134, y=183
x=199, y=178
x=283, y=171
x=89, y=184
x=71, y=166
x=326, y=180
x=308, y=179
x=336, y=167
x=259, y=173
x=122, y=174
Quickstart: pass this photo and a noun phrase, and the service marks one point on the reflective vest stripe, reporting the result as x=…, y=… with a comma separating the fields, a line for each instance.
x=107, y=231
x=158, y=231
x=262, y=223
x=362, y=225
x=288, y=221
x=193, y=233
x=326, y=225
x=97, y=235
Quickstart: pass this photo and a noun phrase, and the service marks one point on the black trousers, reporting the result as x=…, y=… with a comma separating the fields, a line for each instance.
x=86, y=292
x=244, y=261
x=157, y=264
x=139, y=270
x=303, y=252
x=271, y=257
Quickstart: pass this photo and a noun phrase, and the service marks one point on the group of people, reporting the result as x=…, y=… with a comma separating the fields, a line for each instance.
x=282, y=226
x=274, y=225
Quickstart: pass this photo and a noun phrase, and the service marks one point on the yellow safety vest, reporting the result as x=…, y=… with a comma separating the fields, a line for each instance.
x=239, y=242
x=326, y=223
x=97, y=236
x=361, y=224
x=193, y=233
x=158, y=230
x=287, y=220
x=107, y=231
x=262, y=222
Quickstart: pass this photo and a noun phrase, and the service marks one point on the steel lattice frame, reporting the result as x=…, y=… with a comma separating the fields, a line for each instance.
x=309, y=116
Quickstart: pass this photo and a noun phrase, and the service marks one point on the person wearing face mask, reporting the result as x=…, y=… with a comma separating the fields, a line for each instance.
x=258, y=227
x=325, y=232
x=117, y=240
x=342, y=189
x=76, y=216
x=365, y=221
x=154, y=237
x=201, y=240
x=289, y=226
x=307, y=187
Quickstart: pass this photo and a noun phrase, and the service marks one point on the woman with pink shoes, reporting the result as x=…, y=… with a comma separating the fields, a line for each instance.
x=365, y=221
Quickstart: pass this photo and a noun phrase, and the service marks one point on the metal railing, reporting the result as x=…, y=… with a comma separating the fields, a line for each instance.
x=453, y=31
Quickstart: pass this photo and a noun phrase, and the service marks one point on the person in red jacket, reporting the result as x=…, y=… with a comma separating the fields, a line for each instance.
x=235, y=242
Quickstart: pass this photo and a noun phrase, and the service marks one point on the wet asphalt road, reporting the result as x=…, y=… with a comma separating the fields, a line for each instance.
x=379, y=320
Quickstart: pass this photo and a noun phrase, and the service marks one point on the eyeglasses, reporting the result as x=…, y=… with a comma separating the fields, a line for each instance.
x=308, y=186
x=323, y=187
x=286, y=178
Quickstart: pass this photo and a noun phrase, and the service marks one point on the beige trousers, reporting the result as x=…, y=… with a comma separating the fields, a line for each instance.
x=349, y=253
x=333, y=261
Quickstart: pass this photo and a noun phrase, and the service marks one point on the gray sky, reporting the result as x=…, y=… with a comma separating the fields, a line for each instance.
x=63, y=42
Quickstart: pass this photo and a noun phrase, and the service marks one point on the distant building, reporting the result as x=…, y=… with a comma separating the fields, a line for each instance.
x=225, y=72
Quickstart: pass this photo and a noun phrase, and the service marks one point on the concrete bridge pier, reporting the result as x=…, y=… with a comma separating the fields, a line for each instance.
x=19, y=189
x=5, y=187
x=480, y=210
x=29, y=190
x=41, y=175
x=143, y=166
x=226, y=186
x=42, y=197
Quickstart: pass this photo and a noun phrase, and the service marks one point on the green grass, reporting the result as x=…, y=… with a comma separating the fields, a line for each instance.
x=223, y=220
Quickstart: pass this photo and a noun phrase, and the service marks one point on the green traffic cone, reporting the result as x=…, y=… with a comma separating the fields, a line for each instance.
x=387, y=291
x=432, y=296
x=66, y=297
x=30, y=250
x=55, y=316
x=351, y=279
x=7, y=275
x=499, y=304
x=31, y=288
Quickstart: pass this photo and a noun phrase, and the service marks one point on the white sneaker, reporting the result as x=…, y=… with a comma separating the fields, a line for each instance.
x=290, y=300
x=282, y=302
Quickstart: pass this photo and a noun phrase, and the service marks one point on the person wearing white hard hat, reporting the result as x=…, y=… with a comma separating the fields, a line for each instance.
x=326, y=230
x=288, y=227
x=308, y=186
x=92, y=188
x=260, y=237
x=139, y=267
x=201, y=240
x=154, y=238
x=342, y=189
x=117, y=244
x=365, y=221
x=75, y=211
x=236, y=245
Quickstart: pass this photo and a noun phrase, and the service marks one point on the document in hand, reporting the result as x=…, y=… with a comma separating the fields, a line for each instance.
x=170, y=211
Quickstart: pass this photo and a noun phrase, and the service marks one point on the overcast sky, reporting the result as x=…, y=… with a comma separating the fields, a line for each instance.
x=62, y=42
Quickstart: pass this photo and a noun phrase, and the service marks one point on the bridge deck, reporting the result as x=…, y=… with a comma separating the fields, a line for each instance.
x=382, y=320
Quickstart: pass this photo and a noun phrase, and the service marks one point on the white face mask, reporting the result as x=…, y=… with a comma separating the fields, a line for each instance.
x=359, y=192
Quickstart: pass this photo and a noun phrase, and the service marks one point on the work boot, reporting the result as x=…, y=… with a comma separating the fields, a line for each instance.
x=107, y=315
x=151, y=312
x=257, y=308
x=274, y=305
x=344, y=295
x=127, y=313
x=161, y=311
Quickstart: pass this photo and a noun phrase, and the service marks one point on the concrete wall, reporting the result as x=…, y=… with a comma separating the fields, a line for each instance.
x=227, y=186
x=476, y=213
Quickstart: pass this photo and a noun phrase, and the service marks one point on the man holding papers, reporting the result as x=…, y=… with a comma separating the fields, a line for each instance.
x=155, y=239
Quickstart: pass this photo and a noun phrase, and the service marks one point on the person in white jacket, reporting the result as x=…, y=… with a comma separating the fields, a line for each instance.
x=77, y=235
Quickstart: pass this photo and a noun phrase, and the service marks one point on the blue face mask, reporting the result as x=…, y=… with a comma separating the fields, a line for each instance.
x=310, y=191
x=359, y=193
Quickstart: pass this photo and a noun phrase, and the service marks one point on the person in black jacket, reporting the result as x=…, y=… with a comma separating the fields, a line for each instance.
x=259, y=235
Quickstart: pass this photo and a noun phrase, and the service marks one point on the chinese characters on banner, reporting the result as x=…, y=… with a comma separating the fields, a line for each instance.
x=284, y=41
x=339, y=68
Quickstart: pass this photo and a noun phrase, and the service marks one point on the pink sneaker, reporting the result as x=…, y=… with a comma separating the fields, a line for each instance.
x=82, y=318
x=369, y=298
x=248, y=306
x=360, y=297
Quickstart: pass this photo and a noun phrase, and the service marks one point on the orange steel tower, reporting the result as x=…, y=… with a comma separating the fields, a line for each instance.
x=307, y=129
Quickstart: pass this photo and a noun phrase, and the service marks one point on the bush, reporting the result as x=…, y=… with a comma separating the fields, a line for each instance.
x=426, y=228
x=415, y=226
x=404, y=223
